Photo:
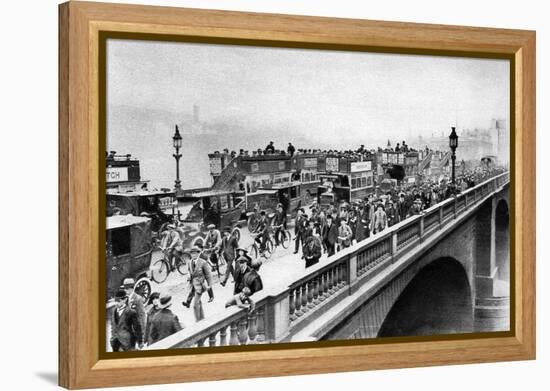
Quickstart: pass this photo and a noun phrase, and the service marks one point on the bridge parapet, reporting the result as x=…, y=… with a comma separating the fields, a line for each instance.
x=283, y=311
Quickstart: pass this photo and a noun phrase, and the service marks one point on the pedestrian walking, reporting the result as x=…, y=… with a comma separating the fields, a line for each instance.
x=126, y=330
x=380, y=219
x=153, y=303
x=344, y=235
x=299, y=229
x=330, y=235
x=136, y=302
x=164, y=322
x=230, y=244
x=312, y=250
x=200, y=278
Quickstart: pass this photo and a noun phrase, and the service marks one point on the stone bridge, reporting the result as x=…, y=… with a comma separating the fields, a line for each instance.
x=444, y=271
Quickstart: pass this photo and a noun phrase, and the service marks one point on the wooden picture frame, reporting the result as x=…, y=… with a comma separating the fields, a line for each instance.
x=80, y=174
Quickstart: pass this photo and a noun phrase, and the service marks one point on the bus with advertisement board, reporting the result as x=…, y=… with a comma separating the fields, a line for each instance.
x=345, y=182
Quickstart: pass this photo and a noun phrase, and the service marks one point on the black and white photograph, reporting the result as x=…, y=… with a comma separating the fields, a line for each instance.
x=268, y=195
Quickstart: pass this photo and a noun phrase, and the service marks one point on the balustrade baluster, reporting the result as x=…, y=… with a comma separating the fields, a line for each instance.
x=233, y=340
x=316, y=287
x=298, y=312
x=252, y=326
x=322, y=287
x=335, y=278
x=344, y=273
x=212, y=339
x=304, y=298
x=310, y=304
x=223, y=336
x=329, y=290
x=200, y=342
x=260, y=326
x=291, y=305
x=242, y=333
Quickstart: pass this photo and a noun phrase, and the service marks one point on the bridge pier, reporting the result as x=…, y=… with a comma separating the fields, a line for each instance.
x=491, y=306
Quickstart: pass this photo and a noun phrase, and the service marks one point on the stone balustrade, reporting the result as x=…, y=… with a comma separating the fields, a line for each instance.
x=280, y=312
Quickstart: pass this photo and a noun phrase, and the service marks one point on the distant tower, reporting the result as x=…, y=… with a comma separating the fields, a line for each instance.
x=196, y=114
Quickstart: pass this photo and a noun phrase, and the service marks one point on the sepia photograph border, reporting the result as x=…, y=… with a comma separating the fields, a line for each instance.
x=84, y=29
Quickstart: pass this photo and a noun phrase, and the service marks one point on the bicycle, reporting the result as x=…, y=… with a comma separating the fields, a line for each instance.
x=221, y=259
x=254, y=248
x=162, y=267
x=284, y=238
x=253, y=220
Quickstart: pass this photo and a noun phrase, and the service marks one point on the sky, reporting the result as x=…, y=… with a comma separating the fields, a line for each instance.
x=318, y=94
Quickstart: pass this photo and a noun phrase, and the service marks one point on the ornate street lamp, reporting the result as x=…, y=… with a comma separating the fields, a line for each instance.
x=176, y=139
x=453, y=144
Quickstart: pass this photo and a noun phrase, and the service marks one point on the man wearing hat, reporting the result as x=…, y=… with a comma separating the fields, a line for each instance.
x=299, y=229
x=172, y=244
x=126, y=330
x=135, y=301
x=330, y=235
x=312, y=249
x=380, y=219
x=252, y=279
x=262, y=231
x=230, y=244
x=153, y=303
x=200, y=278
x=279, y=223
x=401, y=207
x=164, y=322
x=243, y=266
x=391, y=212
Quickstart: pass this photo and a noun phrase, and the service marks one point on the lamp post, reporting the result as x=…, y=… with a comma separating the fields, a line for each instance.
x=453, y=144
x=177, y=145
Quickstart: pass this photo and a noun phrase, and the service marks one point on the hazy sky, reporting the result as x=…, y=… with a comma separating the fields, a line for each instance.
x=314, y=92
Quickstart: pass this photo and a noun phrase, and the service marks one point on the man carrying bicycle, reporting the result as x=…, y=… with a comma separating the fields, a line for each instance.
x=279, y=223
x=262, y=231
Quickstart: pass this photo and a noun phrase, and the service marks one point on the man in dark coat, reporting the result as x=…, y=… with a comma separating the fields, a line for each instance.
x=402, y=207
x=299, y=229
x=230, y=244
x=135, y=302
x=330, y=235
x=242, y=269
x=252, y=279
x=164, y=322
x=291, y=149
x=153, y=302
x=312, y=250
x=279, y=223
x=270, y=148
x=126, y=330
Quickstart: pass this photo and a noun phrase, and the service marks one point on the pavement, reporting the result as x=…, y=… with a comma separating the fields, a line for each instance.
x=280, y=270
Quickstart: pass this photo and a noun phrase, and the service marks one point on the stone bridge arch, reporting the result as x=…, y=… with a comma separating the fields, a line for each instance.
x=438, y=300
x=443, y=282
x=470, y=254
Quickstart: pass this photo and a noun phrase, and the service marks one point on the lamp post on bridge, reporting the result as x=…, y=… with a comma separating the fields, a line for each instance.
x=453, y=144
x=177, y=142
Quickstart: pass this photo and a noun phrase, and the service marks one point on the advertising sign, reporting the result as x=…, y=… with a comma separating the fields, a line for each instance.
x=332, y=164
x=310, y=162
x=117, y=174
x=215, y=165
x=361, y=166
